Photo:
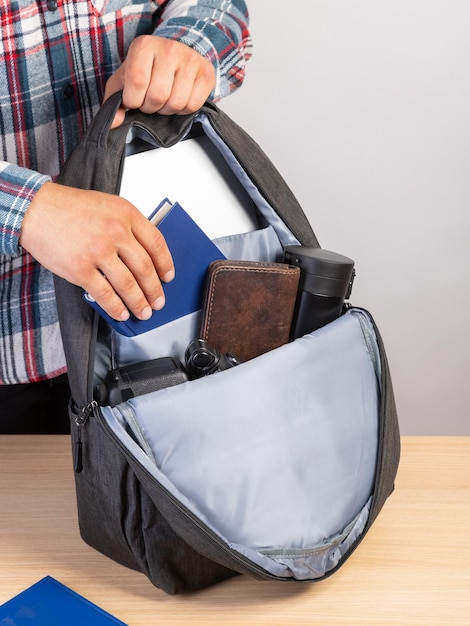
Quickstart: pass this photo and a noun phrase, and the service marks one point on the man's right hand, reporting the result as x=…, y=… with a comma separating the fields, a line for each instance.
x=102, y=243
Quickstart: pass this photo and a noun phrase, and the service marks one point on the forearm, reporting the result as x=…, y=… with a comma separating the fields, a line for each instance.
x=219, y=34
x=18, y=187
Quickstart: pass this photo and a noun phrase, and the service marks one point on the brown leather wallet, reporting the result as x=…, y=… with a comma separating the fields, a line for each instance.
x=248, y=306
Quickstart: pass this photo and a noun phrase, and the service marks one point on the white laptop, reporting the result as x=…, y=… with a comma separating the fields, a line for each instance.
x=195, y=174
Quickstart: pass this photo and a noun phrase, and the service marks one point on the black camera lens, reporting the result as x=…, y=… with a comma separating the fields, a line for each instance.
x=201, y=359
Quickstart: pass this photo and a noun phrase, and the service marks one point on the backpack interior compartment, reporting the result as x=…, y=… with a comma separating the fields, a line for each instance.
x=277, y=456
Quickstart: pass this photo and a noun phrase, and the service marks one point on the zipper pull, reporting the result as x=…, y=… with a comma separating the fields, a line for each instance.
x=80, y=421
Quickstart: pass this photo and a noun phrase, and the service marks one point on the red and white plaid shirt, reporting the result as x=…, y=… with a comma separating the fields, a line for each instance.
x=55, y=58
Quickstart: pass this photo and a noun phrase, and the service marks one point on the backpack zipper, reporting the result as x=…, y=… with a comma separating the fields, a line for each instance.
x=81, y=419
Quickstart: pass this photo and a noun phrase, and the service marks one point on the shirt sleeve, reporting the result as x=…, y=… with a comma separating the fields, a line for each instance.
x=18, y=186
x=217, y=30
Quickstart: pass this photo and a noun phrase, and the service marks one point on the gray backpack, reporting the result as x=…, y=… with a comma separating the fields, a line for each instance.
x=275, y=468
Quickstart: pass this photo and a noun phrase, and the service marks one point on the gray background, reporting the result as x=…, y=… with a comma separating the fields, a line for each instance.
x=364, y=108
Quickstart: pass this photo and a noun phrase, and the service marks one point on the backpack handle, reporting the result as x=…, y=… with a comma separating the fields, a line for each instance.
x=167, y=130
x=97, y=161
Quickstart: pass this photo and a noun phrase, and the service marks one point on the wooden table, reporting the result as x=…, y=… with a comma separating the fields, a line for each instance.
x=412, y=568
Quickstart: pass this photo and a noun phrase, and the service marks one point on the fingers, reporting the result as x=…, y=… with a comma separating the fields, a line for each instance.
x=129, y=275
x=102, y=243
x=102, y=292
x=119, y=293
x=188, y=92
x=162, y=75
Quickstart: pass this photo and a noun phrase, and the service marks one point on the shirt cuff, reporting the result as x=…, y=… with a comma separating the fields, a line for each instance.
x=18, y=186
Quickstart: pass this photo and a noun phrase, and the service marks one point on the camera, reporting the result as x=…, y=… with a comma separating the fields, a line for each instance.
x=325, y=282
x=201, y=359
x=124, y=383
x=127, y=382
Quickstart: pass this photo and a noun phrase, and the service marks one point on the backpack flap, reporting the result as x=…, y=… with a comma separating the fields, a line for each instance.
x=278, y=468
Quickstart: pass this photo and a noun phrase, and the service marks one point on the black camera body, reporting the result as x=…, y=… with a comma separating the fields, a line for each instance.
x=201, y=359
x=137, y=379
x=127, y=382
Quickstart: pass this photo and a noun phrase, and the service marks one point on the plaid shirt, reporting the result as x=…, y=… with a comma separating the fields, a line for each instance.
x=55, y=58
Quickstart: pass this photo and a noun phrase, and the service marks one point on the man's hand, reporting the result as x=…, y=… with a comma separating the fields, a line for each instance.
x=161, y=75
x=102, y=243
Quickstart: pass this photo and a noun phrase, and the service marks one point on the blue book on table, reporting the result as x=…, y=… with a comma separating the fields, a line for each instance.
x=192, y=252
x=49, y=603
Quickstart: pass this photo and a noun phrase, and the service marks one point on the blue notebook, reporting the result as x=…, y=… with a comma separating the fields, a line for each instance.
x=49, y=603
x=192, y=252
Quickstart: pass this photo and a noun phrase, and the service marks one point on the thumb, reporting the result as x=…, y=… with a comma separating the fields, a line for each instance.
x=119, y=117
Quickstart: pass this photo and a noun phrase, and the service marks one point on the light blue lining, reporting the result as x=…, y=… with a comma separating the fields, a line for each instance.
x=279, y=457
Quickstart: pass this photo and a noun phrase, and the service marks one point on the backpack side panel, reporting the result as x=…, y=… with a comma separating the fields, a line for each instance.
x=118, y=518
